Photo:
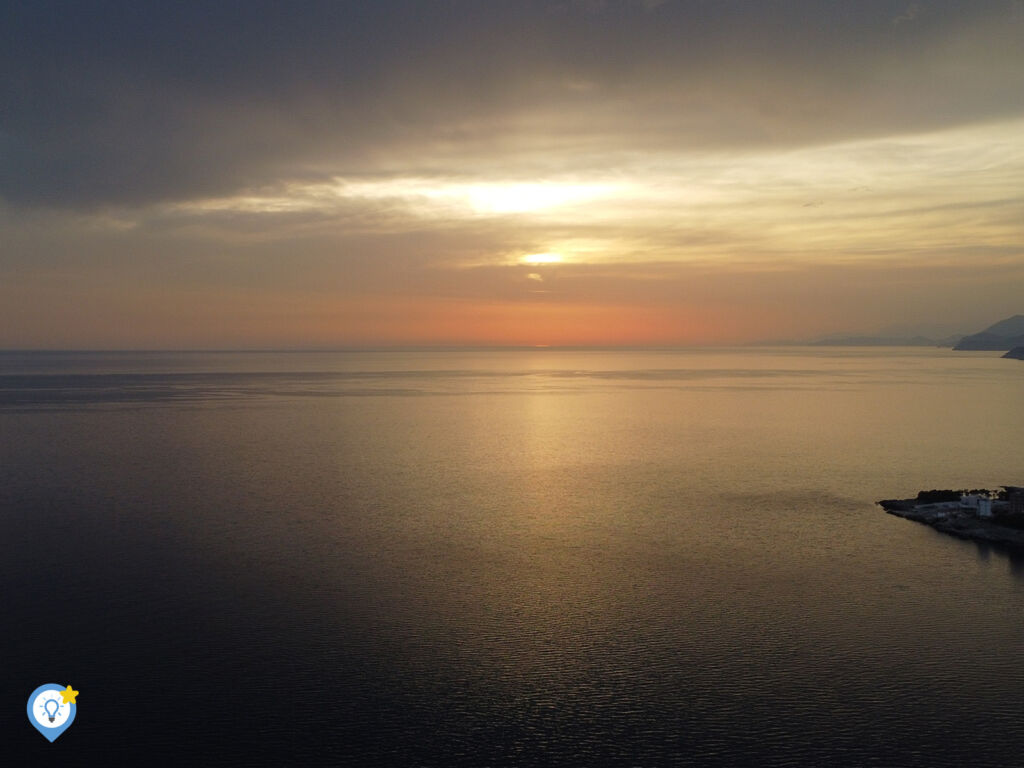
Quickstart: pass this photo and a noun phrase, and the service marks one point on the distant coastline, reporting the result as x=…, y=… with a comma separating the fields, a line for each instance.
x=884, y=341
x=1001, y=336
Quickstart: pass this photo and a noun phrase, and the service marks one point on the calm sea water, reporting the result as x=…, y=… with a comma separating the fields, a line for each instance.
x=482, y=558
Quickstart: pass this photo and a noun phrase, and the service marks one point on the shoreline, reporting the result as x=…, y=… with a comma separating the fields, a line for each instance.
x=955, y=522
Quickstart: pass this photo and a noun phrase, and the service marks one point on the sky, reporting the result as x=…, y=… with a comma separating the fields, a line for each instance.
x=254, y=174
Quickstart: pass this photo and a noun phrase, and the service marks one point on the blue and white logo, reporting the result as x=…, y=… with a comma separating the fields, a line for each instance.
x=51, y=709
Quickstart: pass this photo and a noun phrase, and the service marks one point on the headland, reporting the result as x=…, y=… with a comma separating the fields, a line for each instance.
x=996, y=517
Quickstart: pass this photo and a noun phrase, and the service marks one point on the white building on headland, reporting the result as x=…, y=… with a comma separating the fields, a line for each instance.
x=981, y=504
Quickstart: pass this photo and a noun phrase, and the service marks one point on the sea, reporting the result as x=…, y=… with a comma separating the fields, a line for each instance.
x=508, y=557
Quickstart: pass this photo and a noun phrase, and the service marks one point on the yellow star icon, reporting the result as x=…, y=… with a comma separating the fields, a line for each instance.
x=68, y=694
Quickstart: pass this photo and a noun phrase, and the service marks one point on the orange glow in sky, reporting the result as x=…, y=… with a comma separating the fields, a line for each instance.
x=612, y=172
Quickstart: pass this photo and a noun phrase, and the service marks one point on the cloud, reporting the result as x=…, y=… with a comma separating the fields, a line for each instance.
x=650, y=5
x=911, y=13
x=136, y=102
x=322, y=172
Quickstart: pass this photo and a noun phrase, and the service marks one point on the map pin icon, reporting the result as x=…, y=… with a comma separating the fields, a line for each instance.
x=51, y=709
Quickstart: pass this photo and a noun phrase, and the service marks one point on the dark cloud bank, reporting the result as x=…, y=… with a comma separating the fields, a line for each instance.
x=129, y=103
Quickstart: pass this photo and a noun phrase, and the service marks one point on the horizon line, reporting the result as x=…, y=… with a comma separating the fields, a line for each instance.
x=444, y=348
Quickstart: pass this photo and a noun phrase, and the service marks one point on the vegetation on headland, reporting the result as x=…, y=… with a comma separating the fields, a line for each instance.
x=935, y=496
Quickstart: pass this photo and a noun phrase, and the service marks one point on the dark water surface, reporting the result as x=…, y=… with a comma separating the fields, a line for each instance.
x=508, y=558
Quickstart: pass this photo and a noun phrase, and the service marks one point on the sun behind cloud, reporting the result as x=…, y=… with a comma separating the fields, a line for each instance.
x=541, y=258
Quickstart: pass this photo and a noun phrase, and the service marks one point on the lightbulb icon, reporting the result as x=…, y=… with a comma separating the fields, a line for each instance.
x=51, y=707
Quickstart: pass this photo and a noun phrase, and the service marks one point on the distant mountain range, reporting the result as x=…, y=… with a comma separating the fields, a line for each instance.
x=884, y=341
x=1004, y=335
